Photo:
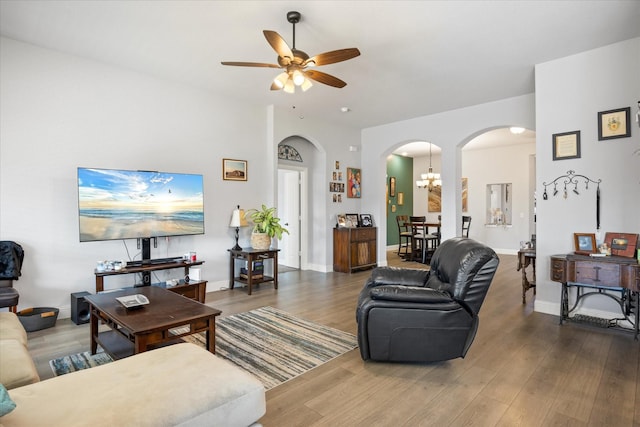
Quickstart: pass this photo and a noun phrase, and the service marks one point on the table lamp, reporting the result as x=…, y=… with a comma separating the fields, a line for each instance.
x=237, y=220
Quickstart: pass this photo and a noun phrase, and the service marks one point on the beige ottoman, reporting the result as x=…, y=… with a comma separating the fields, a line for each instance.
x=182, y=384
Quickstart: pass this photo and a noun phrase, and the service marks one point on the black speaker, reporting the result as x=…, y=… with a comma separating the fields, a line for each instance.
x=80, y=308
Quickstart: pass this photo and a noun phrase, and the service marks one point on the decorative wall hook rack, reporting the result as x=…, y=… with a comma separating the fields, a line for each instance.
x=571, y=179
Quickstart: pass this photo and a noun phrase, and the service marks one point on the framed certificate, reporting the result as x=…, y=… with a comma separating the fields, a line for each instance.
x=566, y=145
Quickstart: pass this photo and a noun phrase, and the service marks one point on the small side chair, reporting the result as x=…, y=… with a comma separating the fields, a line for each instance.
x=11, y=257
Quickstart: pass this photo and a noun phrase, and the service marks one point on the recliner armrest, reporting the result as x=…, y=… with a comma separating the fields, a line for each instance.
x=409, y=294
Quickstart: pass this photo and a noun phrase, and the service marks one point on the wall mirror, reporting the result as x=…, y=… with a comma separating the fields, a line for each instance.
x=499, y=197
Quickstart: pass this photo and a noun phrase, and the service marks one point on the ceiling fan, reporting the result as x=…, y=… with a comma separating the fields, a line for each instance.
x=296, y=63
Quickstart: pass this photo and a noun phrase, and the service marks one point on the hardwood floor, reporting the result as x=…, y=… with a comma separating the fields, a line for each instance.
x=523, y=368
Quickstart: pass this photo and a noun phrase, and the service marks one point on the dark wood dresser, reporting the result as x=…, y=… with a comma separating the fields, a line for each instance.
x=354, y=248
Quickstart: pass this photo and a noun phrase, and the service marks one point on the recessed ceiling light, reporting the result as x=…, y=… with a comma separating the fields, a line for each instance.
x=345, y=109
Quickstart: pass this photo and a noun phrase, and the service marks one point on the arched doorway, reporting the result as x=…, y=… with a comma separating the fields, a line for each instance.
x=297, y=160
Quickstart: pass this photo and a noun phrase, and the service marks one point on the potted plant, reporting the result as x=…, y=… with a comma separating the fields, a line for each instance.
x=266, y=226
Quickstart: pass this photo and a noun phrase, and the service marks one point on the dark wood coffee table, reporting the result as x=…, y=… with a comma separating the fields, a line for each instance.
x=166, y=318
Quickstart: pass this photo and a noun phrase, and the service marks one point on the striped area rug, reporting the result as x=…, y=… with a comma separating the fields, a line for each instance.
x=271, y=344
x=276, y=346
x=76, y=362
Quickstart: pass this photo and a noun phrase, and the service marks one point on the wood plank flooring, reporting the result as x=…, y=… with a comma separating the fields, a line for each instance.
x=522, y=370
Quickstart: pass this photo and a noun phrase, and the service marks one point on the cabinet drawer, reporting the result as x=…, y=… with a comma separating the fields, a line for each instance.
x=558, y=270
x=189, y=292
x=600, y=274
x=363, y=234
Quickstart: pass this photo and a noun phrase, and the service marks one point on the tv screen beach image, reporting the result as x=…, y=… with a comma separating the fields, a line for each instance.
x=120, y=204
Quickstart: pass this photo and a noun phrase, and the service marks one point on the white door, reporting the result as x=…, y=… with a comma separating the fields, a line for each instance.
x=289, y=213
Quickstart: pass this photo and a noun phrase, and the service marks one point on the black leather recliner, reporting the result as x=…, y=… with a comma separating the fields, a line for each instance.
x=408, y=315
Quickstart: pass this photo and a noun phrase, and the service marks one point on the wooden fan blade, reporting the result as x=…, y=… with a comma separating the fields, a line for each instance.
x=333, y=56
x=278, y=44
x=324, y=78
x=250, y=64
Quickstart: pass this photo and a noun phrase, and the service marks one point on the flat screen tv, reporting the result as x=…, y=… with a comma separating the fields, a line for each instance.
x=125, y=204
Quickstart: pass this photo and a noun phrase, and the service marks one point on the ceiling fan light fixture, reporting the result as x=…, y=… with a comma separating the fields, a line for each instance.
x=281, y=80
x=306, y=85
x=298, y=78
x=294, y=62
x=289, y=87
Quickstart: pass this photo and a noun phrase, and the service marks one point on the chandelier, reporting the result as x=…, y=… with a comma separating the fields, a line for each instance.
x=429, y=180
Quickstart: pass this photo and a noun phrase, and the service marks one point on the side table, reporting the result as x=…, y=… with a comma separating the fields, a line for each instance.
x=251, y=255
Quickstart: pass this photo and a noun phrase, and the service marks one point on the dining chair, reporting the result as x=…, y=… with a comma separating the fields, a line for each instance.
x=424, y=242
x=404, y=234
x=466, y=225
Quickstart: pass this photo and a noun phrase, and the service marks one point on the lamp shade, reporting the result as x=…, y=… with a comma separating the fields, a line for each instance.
x=298, y=78
x=237, y=218
x=306, y=85
x=289, y=87
x=281, y=79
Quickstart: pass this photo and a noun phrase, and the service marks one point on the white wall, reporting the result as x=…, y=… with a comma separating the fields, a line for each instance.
x=569, y=94
x=508, y=164
x=58, y=112
x=449, y=130
x=333, y=143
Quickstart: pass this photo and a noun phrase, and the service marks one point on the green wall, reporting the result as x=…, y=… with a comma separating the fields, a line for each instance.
x=401, y=168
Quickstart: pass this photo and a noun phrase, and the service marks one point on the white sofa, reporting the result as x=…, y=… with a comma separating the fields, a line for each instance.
x=178, y=385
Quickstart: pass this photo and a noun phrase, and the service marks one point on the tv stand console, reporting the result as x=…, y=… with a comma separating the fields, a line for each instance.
x=147, y=269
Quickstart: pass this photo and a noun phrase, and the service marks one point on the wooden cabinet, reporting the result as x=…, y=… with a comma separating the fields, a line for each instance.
x=354, y=248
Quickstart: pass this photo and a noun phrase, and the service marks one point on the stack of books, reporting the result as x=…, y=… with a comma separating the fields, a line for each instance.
x=256, y=273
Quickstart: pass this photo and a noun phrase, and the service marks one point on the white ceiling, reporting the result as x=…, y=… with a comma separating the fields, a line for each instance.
x=418, y=57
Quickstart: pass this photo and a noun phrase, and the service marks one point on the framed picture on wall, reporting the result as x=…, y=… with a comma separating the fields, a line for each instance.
x=354, y=180
x=566, y=145
x=434, y=200
x=234, y=170
x=614, y=124
x=465, y=193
